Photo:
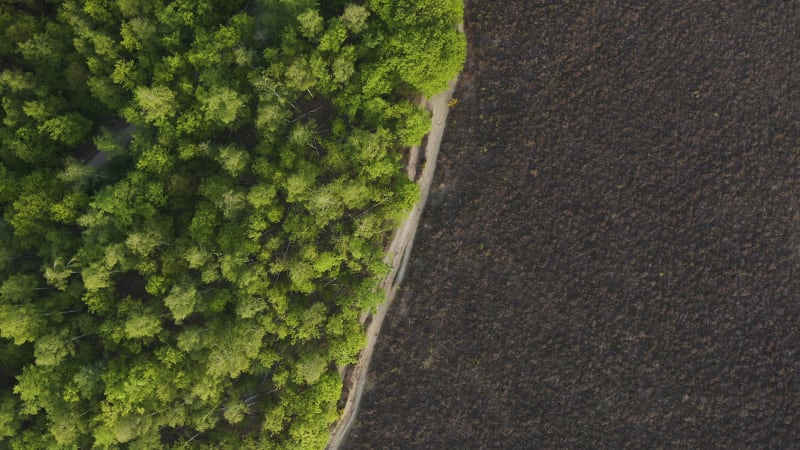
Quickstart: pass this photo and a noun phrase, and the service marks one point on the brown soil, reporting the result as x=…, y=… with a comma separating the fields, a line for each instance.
x=611, y=253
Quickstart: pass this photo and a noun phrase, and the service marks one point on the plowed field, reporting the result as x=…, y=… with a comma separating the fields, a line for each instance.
x=611, y=255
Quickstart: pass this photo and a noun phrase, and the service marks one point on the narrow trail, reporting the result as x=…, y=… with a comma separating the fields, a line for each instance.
x=397, y=256
x=123, y=137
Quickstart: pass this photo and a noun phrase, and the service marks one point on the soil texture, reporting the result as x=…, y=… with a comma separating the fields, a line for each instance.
x=610, y=256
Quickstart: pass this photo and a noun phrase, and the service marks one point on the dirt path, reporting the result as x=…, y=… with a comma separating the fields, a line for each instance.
x=123, y=137
x=397, y=255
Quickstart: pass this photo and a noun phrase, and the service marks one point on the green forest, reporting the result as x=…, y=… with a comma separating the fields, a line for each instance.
x=195, y=195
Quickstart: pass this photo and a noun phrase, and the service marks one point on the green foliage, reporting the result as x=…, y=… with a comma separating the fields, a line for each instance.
x=181, y=301
x=9, y=423
x=222, y=105
x=197, y=283
x=311, y=23
x=422, y=45
x=142, y=325
x=355, y=17
x=158, y=103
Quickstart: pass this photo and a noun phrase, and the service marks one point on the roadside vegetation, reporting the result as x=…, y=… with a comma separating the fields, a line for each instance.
x=202, y=281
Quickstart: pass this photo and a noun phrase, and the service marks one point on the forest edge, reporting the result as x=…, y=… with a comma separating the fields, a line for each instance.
x=397, y=255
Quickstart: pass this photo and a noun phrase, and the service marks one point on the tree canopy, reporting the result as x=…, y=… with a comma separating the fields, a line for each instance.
x=194, y=198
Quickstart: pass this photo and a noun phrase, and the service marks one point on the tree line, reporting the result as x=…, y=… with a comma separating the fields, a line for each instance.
x=201, y=282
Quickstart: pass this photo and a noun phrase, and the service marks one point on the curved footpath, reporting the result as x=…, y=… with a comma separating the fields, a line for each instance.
x=397, y=255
